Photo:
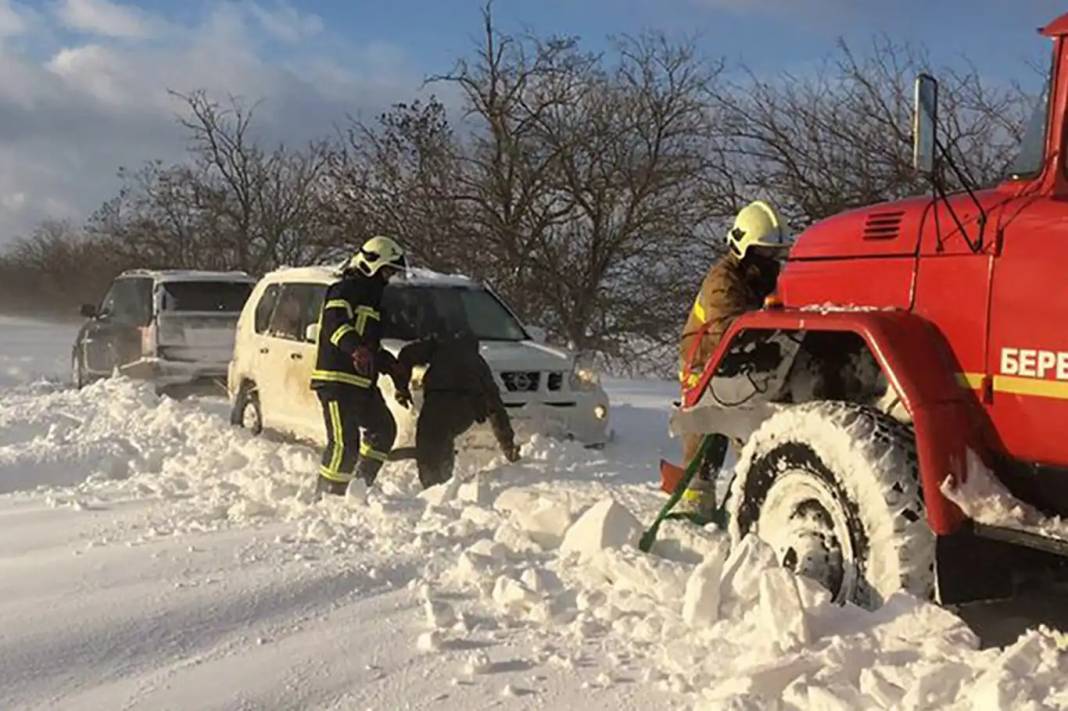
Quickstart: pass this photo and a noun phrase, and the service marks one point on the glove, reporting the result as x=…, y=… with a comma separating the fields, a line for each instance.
x=363, y=360
x=511, y=452
x=404, y=397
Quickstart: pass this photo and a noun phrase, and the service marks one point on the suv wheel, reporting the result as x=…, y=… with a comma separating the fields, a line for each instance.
x=246, y=412
x=834, y=489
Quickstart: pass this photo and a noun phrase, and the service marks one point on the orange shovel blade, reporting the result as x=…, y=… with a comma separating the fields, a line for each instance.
x=670, y=476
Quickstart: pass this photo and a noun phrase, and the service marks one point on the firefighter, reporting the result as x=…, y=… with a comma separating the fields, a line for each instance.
x=459, y=391
x=347, y=365
x=738, y=282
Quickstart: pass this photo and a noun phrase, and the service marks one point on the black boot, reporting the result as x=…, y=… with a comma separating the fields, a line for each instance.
x=367, y=469
x=330, y=486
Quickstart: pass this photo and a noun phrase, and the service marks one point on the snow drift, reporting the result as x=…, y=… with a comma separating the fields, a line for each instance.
x=157, y=557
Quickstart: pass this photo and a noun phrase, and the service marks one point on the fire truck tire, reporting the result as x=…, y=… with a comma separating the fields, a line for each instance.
x=834, y=489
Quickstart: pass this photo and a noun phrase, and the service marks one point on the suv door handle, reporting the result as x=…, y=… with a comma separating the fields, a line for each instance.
x=296, y=356
x=265, y=350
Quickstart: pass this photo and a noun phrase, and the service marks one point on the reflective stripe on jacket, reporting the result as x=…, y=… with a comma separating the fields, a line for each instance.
x=730, y=288
x=350, y=319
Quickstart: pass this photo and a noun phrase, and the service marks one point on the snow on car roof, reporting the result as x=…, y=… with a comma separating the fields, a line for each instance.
x=164, y=275
x=416, y=276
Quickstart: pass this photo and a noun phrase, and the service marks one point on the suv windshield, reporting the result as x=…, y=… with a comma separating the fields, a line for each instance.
x=205, y=296
x=1029, y=160
x=413, y=312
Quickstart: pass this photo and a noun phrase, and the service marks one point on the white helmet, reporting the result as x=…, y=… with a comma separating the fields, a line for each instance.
x=378, y=253
x=757, y=225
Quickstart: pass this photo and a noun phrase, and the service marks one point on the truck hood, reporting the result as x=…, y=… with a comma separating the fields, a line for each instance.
x=893, y=229
x=886, y=229
x=513, y=355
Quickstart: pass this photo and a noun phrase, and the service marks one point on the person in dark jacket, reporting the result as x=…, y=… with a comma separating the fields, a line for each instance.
x=459, y=391
x=348, y=360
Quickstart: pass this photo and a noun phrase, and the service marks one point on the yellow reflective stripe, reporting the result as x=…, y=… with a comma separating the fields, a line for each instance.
x=339, y=444
x=362, y=314
x=1017, y=385
x=367, y=451
x=690, y=380
x=333, y=376
x=339, y=304
x=325, y=473
x=692, y=494
x=340, y=333
x=698, y=310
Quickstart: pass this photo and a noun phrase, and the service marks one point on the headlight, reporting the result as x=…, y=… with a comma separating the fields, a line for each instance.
x=416, y=381
x=584, y=376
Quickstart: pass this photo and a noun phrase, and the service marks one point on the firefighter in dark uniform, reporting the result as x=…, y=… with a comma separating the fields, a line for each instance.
x=347, y=365
x=459, y=391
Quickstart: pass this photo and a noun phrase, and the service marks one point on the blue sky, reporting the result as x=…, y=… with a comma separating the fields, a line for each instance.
x=763, y=33
x=83, y=83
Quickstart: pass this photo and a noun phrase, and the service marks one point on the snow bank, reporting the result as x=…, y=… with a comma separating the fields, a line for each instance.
x=511, y=575
x=606, y=524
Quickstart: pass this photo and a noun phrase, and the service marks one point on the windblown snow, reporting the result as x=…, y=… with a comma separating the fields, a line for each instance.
x=155, y=557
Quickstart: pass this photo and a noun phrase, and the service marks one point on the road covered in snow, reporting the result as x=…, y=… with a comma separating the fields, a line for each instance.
x=152, y=556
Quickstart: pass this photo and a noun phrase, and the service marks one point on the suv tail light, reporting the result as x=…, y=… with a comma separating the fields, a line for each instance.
x=148, y=340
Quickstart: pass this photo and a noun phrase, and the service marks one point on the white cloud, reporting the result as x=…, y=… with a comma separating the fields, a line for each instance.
x=69, y=119
x=107, y=19
x=285, y=22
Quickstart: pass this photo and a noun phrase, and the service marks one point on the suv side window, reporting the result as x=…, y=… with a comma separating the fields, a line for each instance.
x=298, y=307
x=129, y=302
x=265, y=307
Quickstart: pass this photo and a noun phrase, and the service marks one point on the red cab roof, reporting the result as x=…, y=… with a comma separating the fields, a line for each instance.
x=1056, y=28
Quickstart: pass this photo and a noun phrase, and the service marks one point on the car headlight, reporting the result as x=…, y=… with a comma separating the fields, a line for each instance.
x=416, y=380
x=584, y=376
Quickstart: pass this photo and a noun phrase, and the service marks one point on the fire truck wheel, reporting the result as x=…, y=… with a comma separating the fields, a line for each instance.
x=834, y=489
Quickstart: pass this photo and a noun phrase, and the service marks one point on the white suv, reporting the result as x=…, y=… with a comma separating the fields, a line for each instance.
x=544, y=388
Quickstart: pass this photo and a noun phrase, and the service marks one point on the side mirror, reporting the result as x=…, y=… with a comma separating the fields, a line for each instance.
x=88, y=311
x=311, y=333
x=537, y=333
x=924, y=124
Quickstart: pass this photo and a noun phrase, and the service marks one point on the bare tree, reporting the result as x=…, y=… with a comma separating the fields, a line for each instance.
x=629, y=146
x=506, y=185
x=236, y=205
x=54, y=269
x=397, y=177
x=841, y=137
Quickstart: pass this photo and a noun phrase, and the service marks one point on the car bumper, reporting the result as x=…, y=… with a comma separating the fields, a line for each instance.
x=165, y=372
x=584, y=419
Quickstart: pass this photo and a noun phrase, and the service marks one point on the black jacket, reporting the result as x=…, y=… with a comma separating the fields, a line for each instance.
x=455, y=366
x=350, y=320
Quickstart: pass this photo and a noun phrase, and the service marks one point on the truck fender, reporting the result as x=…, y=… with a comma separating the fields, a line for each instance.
x=916, y=361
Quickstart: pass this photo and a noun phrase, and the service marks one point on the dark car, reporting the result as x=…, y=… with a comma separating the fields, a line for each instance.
x=170, y=327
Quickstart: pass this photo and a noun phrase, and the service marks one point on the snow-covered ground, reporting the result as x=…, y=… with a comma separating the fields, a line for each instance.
x=153, y=557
